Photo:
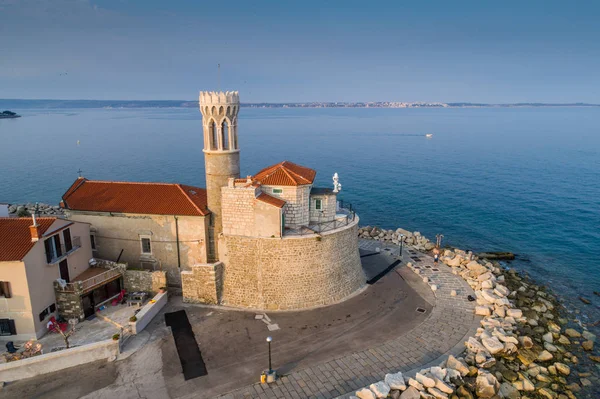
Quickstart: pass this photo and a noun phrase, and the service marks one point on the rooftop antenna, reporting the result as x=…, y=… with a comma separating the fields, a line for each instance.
x=79, y=171
x=219, y=76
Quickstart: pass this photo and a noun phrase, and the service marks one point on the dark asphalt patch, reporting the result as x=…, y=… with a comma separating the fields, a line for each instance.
x=189, y=354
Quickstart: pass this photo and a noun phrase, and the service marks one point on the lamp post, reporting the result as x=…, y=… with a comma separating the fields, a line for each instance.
x=269, y=339
x=401, y=244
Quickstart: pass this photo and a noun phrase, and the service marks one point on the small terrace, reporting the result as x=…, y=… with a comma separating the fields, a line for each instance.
x=345, y=215
x=100, y=273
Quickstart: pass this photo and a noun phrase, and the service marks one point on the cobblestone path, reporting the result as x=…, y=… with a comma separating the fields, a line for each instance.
x=451, y=321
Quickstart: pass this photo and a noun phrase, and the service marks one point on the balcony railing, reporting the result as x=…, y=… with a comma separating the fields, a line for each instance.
x=344, y=208
x=92, y=282
x=63, y=251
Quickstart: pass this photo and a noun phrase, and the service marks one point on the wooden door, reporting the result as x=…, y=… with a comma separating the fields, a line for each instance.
x=63, y=267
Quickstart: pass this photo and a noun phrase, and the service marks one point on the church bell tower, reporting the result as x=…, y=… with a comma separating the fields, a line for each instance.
x=221, y=154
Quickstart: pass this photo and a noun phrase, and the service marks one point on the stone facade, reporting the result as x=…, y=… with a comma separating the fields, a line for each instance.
x=68, y=304
x=114, y=233
x=203, y=284
x=327, y=211
x=143, y=280
x=292, y=272
x=296, y=209
x=245, y=215
x=221, y=153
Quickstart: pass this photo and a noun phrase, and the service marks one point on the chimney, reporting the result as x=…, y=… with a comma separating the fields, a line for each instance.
x=34, y=229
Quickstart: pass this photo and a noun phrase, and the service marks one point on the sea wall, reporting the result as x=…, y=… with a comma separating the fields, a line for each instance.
x=41, y=209
x=525, y=347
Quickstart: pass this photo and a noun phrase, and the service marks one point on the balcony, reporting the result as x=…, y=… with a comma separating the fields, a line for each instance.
x=91, y=278
x=60, y=252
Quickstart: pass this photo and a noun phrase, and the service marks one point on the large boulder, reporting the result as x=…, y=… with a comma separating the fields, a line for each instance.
x=486, y=385
x=458, y=365
x=410, y=393
x=493, y=345
x=365, y=393
x=380, y=389
x=395, y=381
x=426, y=380
x=508, y=391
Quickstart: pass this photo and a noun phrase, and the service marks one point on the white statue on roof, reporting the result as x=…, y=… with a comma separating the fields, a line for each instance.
x=337, y=187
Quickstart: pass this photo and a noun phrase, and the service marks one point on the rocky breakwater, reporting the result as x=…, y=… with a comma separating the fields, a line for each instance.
x=40, y=209
x=416, y=239
x=523, y=348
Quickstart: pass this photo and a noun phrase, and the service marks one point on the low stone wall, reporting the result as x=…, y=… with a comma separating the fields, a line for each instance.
x=68, y=304
x=416, y=239
x=143, y=280
x=203, y=284
x=148, y=312
x=55, y=361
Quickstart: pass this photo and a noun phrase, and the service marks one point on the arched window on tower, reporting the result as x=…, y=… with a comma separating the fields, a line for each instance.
x=214, y=143
x=225, y=135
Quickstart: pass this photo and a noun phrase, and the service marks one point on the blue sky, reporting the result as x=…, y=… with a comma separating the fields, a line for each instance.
x=275, y=51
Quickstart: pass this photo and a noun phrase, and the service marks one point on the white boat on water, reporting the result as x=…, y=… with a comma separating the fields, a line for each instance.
x=429, y=135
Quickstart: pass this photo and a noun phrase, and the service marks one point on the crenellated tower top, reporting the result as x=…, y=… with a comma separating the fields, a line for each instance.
x=219, y=120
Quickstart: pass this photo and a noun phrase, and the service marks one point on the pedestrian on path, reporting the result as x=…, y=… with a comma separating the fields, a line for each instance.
x=436, y=256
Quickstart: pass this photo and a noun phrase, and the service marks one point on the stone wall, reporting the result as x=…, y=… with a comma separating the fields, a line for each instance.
x=237, y=208
x=68, y=304
x=144, y=280
x=297, y=203
x=203, y=284
x=327, y=211
x=293, y=272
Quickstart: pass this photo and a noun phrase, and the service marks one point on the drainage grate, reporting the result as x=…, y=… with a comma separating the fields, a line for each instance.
x=421, y=310
x=435, y=270
x=427, y=267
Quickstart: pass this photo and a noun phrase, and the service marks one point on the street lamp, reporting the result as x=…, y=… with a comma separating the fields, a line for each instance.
x=269, y=339
x=401, y=244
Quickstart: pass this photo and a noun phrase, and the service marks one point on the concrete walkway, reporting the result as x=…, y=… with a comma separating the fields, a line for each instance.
x=450, y=322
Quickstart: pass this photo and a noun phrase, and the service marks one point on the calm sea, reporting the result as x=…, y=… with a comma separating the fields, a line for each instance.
x=525, y=180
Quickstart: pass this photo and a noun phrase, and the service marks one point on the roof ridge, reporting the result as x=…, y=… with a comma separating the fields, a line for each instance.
x=290, y=176
x=132, y=182
x=189, y=199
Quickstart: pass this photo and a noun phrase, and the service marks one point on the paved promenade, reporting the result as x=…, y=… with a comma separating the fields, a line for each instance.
x=450, y=322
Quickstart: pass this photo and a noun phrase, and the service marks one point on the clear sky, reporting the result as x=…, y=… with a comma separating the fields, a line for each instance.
x=277, y=51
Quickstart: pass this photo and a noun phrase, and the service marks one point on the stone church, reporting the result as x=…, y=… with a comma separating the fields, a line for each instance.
x=268, y=241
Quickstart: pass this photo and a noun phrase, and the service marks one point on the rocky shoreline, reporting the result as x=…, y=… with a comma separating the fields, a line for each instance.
x=526, y=346
x=40, y=209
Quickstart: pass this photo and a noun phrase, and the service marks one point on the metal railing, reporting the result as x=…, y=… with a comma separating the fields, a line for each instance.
x=344, y=208
x=63, y=251
x=91, y=282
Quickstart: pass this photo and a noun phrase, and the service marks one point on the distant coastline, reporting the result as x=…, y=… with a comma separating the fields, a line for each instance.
x=110, y=104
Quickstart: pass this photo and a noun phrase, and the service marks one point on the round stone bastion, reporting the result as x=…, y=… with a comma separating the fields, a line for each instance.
x=292, y=272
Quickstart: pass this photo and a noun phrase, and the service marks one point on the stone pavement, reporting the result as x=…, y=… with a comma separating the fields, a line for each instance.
x=451, y=321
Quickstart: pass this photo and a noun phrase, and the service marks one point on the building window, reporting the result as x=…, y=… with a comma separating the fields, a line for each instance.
x=50, y=309
x=146, y=247
x=7, y=327
x=53, y=248
x=5, y=289
x=225, y=135
x=93, y=241
x=67, y=238
x=213, y=136
x=318, y=204
x=277, y=190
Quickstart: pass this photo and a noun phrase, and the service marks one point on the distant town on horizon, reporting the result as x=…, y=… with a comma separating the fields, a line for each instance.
x=49, y=103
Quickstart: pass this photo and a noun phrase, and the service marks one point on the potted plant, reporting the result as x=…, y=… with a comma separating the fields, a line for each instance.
x=132, y=319
x=115, y=337
x=162, y=290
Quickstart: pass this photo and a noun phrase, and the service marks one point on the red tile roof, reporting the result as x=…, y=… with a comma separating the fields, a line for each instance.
x=266, y=198
x=15, y=237
x=131, y=197
x=285, y=173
